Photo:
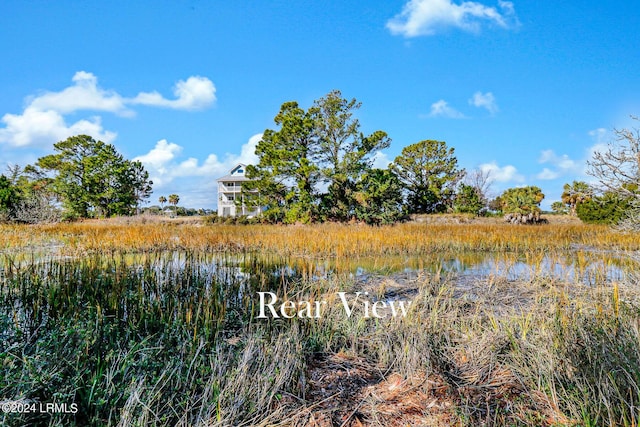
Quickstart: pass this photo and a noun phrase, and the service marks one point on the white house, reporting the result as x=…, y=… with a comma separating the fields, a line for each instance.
x=230, y=191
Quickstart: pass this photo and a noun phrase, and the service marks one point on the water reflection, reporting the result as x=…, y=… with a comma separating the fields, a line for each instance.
x=251, y=270
x=262, y=271
x=586, y=267
x=210, y=291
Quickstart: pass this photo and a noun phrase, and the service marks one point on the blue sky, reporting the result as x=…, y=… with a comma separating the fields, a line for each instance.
x=525, y=89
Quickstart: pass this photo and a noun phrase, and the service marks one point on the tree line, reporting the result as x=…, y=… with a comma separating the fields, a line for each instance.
x=317, y=165
x=84, y=178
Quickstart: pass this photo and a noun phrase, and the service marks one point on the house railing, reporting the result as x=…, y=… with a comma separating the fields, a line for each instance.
x=229, y=189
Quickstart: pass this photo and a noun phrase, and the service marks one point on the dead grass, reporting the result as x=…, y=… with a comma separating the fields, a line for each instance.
x=347, y=390
x=321, y=240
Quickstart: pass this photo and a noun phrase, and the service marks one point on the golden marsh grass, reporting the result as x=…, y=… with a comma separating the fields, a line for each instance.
x=322, y=240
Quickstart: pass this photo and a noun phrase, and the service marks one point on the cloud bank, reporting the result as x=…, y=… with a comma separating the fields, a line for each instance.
x=43, y=122
x=427, y=17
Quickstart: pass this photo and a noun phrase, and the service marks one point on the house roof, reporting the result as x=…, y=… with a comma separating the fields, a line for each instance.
x=236, y=178
x=233, y=178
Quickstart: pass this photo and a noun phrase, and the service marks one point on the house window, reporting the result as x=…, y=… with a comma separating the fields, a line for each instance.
x=230, y=184
x=240, y=171
x=230, y=198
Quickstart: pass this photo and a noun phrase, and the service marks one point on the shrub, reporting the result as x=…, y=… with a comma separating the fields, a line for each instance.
x=468, y=200
x=606, y=209
x=211, y=219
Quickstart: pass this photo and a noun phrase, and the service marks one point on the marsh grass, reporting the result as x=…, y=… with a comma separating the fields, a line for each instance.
x=101, y=330
x=524, y=353
x=316, y=241
x=138, y=331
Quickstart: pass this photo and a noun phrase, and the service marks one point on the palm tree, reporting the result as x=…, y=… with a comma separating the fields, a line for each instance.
x=521, y=200
x=162, y=201
x=173, y=200
x=576, y=193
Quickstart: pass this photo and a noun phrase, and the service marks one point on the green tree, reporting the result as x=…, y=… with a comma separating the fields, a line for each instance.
x=162, y=200
x=379, y=197
x=91, y=178
x=139, y=183
x=575, y=193
x=559, y=208
x=38, y=203
x=344, y=153
x=322, y=145
x=174, y=199
x=429, y=171
x=9, y=197
x=521, y=200
x=285, y=177
x=468, y=200
x=609, y=208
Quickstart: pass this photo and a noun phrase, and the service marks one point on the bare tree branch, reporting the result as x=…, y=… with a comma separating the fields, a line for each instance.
x=618, y=171
x=482, y=181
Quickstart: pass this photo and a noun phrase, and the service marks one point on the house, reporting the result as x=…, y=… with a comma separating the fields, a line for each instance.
x=230, y=192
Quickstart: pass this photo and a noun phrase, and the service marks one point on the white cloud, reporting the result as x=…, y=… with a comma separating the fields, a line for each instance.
x=193, y=94
x=41, y=128
x=484, y=100
x=43, y=123
x=192, y=180
x=442, y=109
x=573, y=169
x=561, y=165
x=599, y=135
x=248, y=152
x=164, y=166
x=563, y=162
x=159, y=158
x=546, y=156
x=381, y=160
x=547, y=174
x=426, y=17
x=501, y=174
x=83, y=95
